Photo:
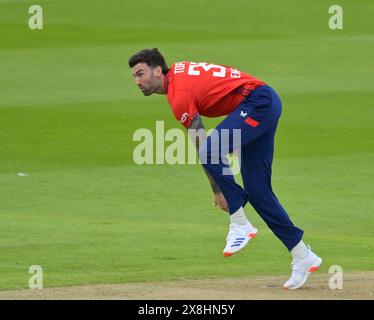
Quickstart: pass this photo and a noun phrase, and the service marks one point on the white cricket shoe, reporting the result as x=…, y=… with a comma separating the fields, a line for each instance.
x=238, y=238
x=302, y=269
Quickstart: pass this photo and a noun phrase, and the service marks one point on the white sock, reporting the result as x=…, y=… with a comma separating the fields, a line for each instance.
x=239, y=217
x=300, y=251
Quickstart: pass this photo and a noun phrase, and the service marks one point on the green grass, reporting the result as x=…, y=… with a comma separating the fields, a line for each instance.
x=69, y=108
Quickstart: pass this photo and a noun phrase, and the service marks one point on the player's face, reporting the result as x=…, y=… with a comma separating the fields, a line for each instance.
x=146, y=78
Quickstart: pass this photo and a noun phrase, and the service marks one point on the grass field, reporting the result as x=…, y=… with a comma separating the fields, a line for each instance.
x=68, y=109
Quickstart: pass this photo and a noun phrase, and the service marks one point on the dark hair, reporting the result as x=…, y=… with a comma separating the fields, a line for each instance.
x=152, y=57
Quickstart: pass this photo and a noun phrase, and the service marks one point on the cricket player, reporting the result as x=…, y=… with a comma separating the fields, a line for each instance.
x=251, y=106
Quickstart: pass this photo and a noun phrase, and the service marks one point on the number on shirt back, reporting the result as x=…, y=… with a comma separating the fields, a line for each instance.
x=195, y=68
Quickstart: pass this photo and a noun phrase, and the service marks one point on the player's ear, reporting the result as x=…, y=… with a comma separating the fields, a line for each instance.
x=158, y=71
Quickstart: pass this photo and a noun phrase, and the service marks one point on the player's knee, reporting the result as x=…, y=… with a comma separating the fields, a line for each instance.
x=208, y=153
x=258, y=193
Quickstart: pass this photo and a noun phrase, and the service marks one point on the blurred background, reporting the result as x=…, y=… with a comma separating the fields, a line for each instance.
x=86, y=213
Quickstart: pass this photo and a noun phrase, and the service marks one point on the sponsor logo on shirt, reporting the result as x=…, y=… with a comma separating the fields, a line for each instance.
x=184, y=117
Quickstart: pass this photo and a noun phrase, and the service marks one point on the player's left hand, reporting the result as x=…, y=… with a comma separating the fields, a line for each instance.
x=220, y=201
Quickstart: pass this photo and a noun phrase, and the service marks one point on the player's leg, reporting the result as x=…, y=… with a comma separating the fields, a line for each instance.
x=211, y=155
x=256, y=169
x=257, y=158
x=257, y=118
x=246, y=118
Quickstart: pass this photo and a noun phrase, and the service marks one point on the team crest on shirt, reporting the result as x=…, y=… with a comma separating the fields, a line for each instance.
x=184, y=117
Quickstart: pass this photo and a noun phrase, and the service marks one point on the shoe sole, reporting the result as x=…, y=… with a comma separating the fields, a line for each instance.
x=250, y=236
x=315, y=266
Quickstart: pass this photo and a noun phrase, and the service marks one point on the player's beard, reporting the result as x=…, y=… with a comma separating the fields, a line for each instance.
x=150, y=88
x=147, y=92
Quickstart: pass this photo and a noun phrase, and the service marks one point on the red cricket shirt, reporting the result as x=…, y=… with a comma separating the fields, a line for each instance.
x=210, y=90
